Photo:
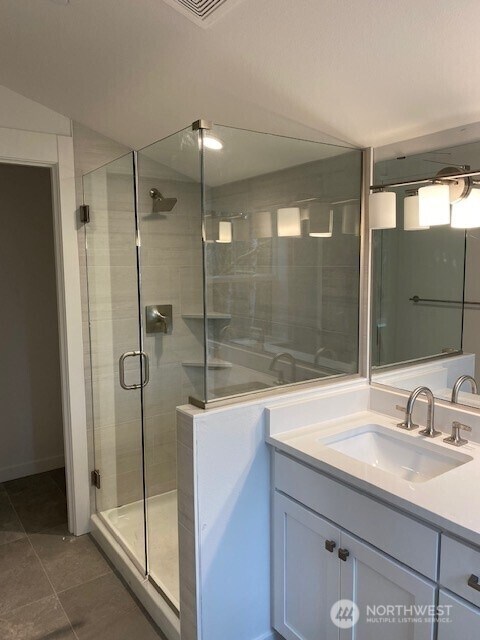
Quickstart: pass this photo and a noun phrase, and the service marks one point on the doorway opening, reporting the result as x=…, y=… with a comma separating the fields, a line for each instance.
x=31, y=425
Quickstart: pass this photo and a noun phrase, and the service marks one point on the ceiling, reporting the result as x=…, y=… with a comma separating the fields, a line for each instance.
x=363, y=71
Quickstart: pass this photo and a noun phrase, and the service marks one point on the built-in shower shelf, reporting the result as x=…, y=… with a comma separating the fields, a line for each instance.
x=213, y=363
x=212, y=315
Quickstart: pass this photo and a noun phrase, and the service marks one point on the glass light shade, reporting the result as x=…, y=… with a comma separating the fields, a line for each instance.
x=224, y=232
x=288, y=222
x=321, y=220
x=351, y=219
x=383, y=210
x=411, y=210
x=262, y=224
x=466, y=213
x=434, y=205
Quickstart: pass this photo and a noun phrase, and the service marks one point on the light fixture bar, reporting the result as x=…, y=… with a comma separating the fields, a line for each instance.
x=406, y=183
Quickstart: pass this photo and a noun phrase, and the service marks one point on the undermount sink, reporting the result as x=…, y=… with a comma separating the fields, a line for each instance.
x=398, y=454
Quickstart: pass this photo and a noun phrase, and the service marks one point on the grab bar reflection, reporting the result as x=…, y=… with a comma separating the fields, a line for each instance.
x=418, y=299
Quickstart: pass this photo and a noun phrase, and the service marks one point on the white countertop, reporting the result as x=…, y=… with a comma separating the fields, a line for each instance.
x=450, y=501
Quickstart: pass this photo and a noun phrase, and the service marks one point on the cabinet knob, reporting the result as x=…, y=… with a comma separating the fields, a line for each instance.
x=343, y=554
x=474, y=582
x=330, y=545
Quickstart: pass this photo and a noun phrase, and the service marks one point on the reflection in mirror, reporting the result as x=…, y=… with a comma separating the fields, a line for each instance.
x=425, y=290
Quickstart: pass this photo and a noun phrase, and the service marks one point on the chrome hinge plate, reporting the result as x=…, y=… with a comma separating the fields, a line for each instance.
x=96, y=479
x=202, y=124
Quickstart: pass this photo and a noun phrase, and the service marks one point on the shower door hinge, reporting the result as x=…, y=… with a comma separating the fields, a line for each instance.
x=96, y=481
x=84, y=213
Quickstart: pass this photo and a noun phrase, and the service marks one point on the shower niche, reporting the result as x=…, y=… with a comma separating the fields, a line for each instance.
x=244, y=248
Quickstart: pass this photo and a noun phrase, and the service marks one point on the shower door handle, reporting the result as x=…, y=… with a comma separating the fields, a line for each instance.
x=145, y=370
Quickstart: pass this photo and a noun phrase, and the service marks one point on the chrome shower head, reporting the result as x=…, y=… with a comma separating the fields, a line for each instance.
x=161, y=204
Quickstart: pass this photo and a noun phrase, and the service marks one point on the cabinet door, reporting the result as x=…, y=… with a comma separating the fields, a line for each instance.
x=458, y=620
x=393, y=601
x=306, y=575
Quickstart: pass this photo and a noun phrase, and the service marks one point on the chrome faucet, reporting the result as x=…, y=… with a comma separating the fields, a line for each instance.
x=459, y=383
x=293, y=363
x=455, y=438
x=430, y=430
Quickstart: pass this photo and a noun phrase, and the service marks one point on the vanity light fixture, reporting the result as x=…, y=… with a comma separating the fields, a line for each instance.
x=411, y=211
x=466, y=213
x=434, y=205
x=320, y=220
x=351, y=219
x=382, y=209
x=224, y=232
x=452, y=196
x=288, y=222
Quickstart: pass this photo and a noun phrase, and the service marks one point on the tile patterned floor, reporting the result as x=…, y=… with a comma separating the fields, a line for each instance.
x=54, y=586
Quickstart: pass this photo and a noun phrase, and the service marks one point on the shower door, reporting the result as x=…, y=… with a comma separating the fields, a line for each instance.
x=119, y=369
x=145, y=295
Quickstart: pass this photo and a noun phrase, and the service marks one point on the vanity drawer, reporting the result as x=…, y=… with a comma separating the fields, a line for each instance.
x=458, y=563
x=401, y=537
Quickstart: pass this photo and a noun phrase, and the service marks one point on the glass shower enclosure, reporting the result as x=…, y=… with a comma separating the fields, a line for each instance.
x=220, y=263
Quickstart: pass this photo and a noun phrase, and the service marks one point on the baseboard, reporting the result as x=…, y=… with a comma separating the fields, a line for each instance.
x=32, y=467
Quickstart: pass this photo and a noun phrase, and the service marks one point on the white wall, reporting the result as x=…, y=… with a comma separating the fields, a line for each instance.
x=31, y=431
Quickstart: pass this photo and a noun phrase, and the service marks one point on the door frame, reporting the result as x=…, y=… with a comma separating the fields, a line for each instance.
x=56, y=153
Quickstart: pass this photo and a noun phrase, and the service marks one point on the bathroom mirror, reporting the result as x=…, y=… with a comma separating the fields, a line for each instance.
x=425, y=291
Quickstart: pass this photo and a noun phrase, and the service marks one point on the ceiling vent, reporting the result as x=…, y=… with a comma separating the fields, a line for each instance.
x=203, y=12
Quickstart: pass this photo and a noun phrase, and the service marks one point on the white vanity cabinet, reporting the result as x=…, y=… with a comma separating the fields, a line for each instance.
x=462, y=620
x=316, y=564
x=375, y=582
x=307, y=576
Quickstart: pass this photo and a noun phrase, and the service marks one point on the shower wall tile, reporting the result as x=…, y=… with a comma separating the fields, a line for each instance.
x=159, y=285
x=112, y=292
x=111, y=404
x=160, y=429
x=118, y=489
x=171, y=265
